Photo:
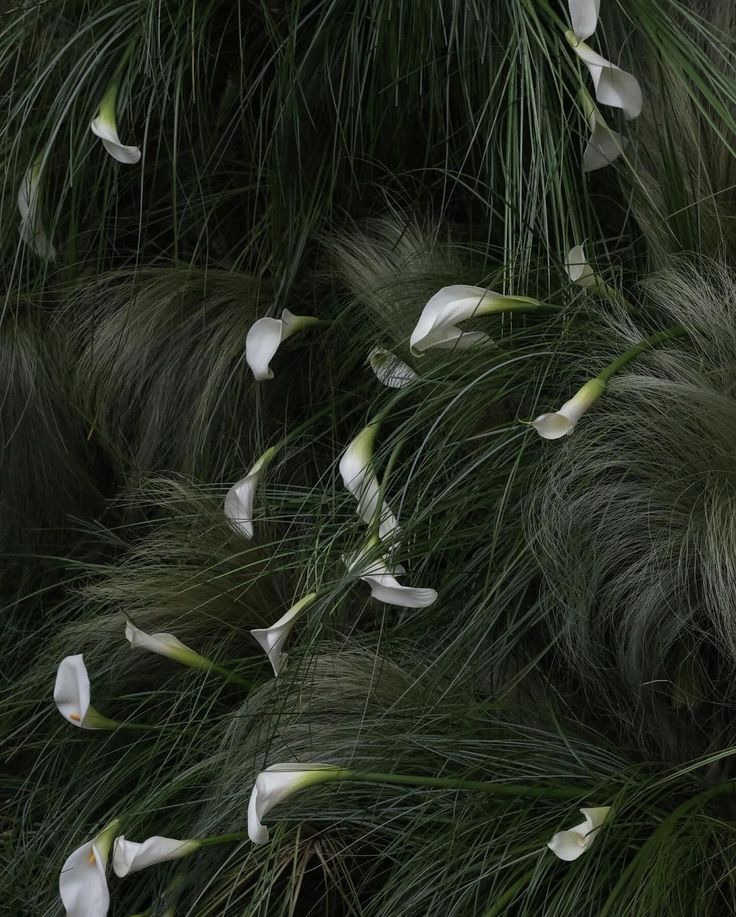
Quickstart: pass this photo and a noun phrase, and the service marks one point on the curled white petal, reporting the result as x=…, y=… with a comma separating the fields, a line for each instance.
x=277, y=783
x=569, y=845
x=72, y=690
x=273, y=638
x=356, y=469
x=564, y=421
x=82, y=881
x=163, y=645
x=384, y=586
x=584, y=16
x=264, y=338
x=389, y=369
x=129, y=857
x=578, y=269
x=604, y=144
x=106, y=129
x=613, y=86
x=31, y=230
x=241, y=497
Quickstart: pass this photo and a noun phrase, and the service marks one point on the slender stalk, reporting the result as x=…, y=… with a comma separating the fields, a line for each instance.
x=633, y=352
x=222, y=839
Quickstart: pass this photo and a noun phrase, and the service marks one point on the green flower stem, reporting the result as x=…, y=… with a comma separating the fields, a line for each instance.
x=633, y=352
x=222, y=839
x=227, y=674
x=450, y=783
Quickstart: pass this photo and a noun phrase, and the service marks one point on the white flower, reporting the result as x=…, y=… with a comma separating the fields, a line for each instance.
x=604, y=145
x=356, y=468
x=165, y=645
x=241, y=497
x=104, y=126
x=277, y=783
x=72, y=695
x=578, y=269
x=584, y=16
x=569, y=845
x=563, y=422
x=613, y=86
x=437, y=323
x=383, y=583
x=31, y=230
x=266, y=335
x=82, y=881
x=273, y=638
x=389, y=369
x=129, y=857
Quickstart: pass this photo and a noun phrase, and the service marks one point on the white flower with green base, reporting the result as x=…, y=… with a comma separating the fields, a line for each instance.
x=105, y=127
x=241, y=497
x=165, y=645
x=604, y=145
x=266, y=335
x=31, y=230
x=356, y=469
x=370, y=567
x=569, y=845
x=83, y=878
x=129, y=857
x=437, y=325
x=564, y=421
x=72, y=694
x=273, y=638
x=389, y=369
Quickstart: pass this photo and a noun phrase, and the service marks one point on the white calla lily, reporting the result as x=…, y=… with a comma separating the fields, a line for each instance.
x=437, y=325
x=356, y=469
x=276, y=784
x=83, y=879
x=578, y=269
x=129, y=857
x=569, y=845
x=389, y=369
x=584, y=16
x=613, y=86
x=31, y=230
x=604, y=145
x=266, y=335
x=241, y=497
x=273, y=638
x=381, y=577
x=72, y=695
x=105, y=127
x=165, y=645
x=563, y=422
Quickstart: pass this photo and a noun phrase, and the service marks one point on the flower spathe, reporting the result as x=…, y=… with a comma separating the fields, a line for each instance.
x=584, y=16
x=563, y=422
x=356, y=469
x=569, y=845
x=277, y=783
x=273, y=638
x=241, y=497
x=604, y=145
x=382, y=580
x=83, y=880
x=578, y=269
x=389, y=369
x=105, y=127
x=72, y=695
x=31, y=230
x=437, y=325
x=129, y=857
x=165, y=645
x=613, y=86
x=266, y=335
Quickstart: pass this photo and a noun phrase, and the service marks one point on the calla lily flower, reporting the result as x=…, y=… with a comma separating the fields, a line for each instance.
x=569, y=845
x=105, y=127
x=613, y=86
x=273, y=638
x=604, y=145
x=437, y=325
x=266, y=335
x=389, y=369
x=241, y=497
x=72, y=695
x=578, y=269
x=165, y=645
x=382, y=580
x=277, y=783
x=356, y=468
x=584, y=16
x=129, y=857
x=564, y=421
x=83, y=881
x=31, y=230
